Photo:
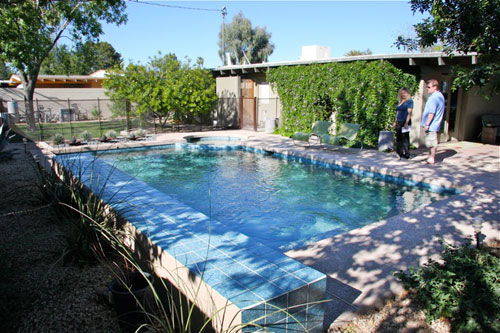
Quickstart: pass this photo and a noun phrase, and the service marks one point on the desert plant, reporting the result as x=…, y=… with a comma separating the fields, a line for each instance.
x=86, y=135
x=111, y=134
x=464, y=288
x=79, y=209
x=58, y=139
x=96, y=113
x=140, y=132
x=4, y=141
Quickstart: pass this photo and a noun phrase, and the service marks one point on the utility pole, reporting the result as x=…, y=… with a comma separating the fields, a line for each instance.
x=224, y=13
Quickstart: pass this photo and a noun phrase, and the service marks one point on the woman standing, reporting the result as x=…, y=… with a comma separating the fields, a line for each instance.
x=402, y=123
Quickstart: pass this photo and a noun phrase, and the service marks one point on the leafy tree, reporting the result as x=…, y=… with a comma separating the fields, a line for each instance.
x=408, y=41
x=244, y=43
x=59, y=61
x=165, y=88
x=92, y=56
x=5, y=71
x=30, y=29
x=353, y=53
x=195, y=93
x=84, y=59
x=463, y=26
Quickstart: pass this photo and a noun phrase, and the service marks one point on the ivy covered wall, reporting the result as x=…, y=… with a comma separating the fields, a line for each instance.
x=359, y=92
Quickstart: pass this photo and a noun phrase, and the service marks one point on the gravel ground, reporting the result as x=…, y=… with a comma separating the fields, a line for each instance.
x=38, y=293
x=400, y=314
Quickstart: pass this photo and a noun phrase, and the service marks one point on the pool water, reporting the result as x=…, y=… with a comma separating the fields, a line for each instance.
x=281, y=203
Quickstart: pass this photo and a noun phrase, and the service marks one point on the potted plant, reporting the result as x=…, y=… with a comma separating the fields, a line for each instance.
x=74, y=142
x=86, y=136
x=58, y=139
x=131, y=294
x=111, y=135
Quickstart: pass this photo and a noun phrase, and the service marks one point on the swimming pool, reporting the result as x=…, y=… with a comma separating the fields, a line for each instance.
x=278, y=202
x=247, y=276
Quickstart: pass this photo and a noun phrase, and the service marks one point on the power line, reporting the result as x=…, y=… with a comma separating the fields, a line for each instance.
x=172, y=6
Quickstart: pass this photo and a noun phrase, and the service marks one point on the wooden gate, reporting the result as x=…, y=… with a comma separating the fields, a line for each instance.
x=248, y=110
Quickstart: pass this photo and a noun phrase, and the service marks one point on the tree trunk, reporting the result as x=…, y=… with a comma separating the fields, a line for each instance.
x=29, y=91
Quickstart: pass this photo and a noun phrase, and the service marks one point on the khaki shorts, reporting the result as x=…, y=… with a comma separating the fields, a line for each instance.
x=431, y=139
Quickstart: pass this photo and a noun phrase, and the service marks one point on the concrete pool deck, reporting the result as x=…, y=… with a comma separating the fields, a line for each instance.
x=360, y=263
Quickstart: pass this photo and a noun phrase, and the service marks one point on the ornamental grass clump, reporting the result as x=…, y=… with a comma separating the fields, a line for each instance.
x=111, y=134
x=464, y=288
x=86, y=135
x=58, y=139
x=80, y=210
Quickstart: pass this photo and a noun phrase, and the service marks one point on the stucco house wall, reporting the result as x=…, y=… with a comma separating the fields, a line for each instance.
x=228, y=90
x=86, y=100
x=469, y=105
x=476, y=105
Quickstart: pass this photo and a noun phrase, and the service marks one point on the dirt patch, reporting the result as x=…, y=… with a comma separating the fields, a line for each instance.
x=38, y=293
x=400, y=314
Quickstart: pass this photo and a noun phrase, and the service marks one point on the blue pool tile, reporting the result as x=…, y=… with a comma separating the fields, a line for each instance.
x=315, y=317
x=247, y=300
x=289, y=283
x=308, y=274
x=276, y=310
x=317, y=291
x=272, y=272
x=250, y=281
x=297, y=300
x=198, y=267
x=214, y=277
x=254, y=316
x=268, y=291
x=237, y=270
x=231, y=288
x=291, y=265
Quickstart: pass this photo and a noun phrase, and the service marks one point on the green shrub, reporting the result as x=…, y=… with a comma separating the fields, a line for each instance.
x=87, y=136
x=58, y=139
x=96, y=113
x=464, y=288
x=140, y=132
x=359, y=92
x=111, y=134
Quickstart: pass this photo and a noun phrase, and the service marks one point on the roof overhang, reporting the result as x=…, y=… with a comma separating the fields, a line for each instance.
x=57, y=79
x=407, y=59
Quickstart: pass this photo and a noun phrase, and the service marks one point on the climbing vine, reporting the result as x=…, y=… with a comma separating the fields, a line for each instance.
x=358, y=92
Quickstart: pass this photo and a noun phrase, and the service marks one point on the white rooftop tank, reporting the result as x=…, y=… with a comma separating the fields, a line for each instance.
x=315, y=52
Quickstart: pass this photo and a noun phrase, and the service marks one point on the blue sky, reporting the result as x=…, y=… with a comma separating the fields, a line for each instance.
x=340, y=25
